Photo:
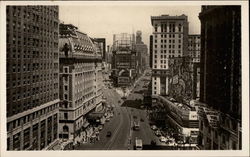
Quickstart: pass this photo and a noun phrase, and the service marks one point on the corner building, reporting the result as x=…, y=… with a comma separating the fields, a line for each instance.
x=80, y=80
x=170, y=39
x=32, y=76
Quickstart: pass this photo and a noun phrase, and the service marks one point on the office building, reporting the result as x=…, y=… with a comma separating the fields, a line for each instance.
x=170, y=39
x=102, y=44
x=32, y=77
x=220, y=70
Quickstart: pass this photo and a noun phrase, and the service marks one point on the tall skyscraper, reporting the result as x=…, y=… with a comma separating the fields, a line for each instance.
x=32, y=76
x=220, y=84
x=170, y=39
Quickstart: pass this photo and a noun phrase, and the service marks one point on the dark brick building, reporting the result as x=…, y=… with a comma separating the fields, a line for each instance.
x=32, y=76
x=220, y=70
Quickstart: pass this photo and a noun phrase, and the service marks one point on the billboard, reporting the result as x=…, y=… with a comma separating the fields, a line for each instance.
x=180, y=86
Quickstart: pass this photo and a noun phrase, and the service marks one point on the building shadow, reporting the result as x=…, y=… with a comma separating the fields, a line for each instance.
x=132, y=103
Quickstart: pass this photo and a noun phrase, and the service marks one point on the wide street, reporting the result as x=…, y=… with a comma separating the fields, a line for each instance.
x=118, y=125
x=125, y=113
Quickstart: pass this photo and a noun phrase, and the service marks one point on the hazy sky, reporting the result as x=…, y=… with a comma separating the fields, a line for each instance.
x=106, y=20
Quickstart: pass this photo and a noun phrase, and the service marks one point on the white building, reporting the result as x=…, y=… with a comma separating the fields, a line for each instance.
x=170, y=39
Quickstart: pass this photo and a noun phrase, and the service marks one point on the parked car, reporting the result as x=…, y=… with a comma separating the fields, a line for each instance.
x=153, y=127
x=158, y=133
x=163, y=139
x=109, y=134
x=172, y=100
x=108, y=119
x=142, y=120
x=100, y=127
x=171, y=142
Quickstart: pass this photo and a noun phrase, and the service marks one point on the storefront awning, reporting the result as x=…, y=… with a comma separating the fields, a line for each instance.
x=95, y=115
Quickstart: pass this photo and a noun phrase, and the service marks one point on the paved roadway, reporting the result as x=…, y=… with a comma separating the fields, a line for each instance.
x=145, y=133
x=121, y=124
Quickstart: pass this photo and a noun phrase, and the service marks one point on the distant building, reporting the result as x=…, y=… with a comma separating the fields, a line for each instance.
x=141, y=52
x=220, y=70
x=124, y=61
x=32, y=76
x=170, y=39
x=109, y=56
x=138, y=38
x=80, y=81
x=102, y=44
x=151, y=51
x=194, y=43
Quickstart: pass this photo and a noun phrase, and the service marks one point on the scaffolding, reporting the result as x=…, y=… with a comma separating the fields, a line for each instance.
x=123, y=42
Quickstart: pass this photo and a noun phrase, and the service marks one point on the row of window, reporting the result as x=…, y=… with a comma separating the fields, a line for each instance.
x=168, y=36
x=169, y=46
x=25, y=42
x=30, y=29
x=28, y=118
x=169, y=51
x=82, y=98
x=33, y=53
x=195, y=45
x=17, y=96
x=161, y=66
x=170, y=41
x=45, y=20
x=78, y=112
x=31, y=67
x=168, y=28
x=26, y=81
x=34, y=143
x=162, y=61
x=34, y=14
x=165, y=56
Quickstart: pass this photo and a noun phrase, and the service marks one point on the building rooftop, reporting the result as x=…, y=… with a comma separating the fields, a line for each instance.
x=167, y=17
x=180, y=105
